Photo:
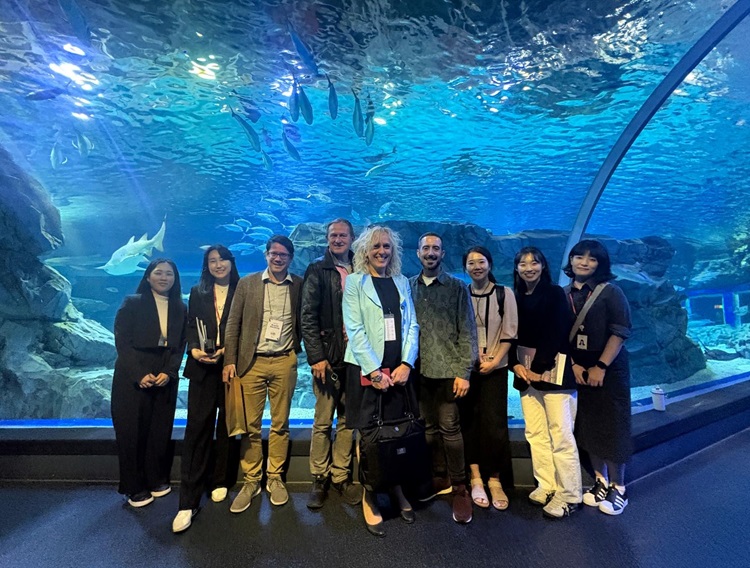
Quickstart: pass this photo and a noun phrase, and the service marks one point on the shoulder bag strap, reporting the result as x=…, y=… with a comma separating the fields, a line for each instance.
x=585, y=310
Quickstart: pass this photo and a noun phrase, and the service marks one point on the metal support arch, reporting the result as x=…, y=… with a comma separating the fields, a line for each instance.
x=689, y=61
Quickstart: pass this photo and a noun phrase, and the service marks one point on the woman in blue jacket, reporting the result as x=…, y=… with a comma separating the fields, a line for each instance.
x=383, y=336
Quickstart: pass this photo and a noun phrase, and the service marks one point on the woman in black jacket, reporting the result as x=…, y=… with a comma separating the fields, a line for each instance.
x=208, y=312
x=544, y=377
x=150, y=342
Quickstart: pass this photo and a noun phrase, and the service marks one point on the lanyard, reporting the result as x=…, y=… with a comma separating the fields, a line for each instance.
x=270, y=304
x=572, y=304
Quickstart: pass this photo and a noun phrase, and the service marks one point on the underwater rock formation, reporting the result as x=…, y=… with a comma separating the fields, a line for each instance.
x=54, y=363
x=661, y=352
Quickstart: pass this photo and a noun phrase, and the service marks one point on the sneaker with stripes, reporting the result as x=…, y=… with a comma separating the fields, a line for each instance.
x=596, y=494
x=615, y=502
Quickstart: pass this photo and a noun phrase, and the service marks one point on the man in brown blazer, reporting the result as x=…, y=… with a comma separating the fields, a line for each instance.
x=261, y=345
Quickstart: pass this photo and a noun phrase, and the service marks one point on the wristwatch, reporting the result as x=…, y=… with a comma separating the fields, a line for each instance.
x=377, y=378
x=602, y=365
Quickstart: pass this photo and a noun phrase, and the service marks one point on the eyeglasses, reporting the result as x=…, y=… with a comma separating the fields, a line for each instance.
x=281, y=255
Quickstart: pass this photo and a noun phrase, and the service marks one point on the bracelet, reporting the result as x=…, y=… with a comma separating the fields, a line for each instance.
x=602, y=365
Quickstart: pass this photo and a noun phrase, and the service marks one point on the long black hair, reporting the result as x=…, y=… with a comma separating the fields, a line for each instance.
x=207, y=280
x=486, y=254
x=603, y=272
x=519, y=285
x=175, y=293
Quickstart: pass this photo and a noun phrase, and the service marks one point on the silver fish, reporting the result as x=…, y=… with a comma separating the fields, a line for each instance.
x=83, y=144
x=304, y=52
x=244, y=223
x=268, y=217
x=375, y=170
x=359, y=126
x=236, y=247
x=232, y=227
x=290, y=149
x=384, y=208
x=305, y=108
x=294, y=101
x=56, y=156
x=249, y=130
x=45, y=94
x=333, y=99
x=369, y=122
x=267, y=161
x=378, y=157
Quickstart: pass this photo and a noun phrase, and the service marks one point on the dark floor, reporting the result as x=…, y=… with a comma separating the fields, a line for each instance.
x=691, y=514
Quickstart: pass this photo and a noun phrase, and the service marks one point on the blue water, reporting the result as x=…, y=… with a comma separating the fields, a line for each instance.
x=493, y=113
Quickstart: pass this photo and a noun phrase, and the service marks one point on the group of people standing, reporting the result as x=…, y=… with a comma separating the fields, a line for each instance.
x=379, y=346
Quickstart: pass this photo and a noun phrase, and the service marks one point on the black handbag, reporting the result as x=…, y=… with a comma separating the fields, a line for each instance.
x=393, y=452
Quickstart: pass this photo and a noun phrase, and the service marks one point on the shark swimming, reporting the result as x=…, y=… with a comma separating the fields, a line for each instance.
x=127, y=258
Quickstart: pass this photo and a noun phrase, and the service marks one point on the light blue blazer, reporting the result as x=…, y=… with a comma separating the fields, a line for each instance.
x=365, y=324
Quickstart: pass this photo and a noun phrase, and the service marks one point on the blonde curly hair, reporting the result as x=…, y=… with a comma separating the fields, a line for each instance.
x=364, y=244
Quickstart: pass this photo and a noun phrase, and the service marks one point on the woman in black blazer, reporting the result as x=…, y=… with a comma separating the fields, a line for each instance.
x=150, y=342
x=209, y=310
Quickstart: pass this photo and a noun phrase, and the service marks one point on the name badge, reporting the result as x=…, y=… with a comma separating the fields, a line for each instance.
x=273, y=330
x=582, y=342
x=482, y=337
x=390, y=327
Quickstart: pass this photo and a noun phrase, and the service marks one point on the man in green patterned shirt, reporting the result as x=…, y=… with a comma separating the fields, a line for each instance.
x=447, y=352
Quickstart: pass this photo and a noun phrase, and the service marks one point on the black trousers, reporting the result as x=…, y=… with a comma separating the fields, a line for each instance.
x=439, y=408
x=202, y=456
x=143, y=419
x=484, y=424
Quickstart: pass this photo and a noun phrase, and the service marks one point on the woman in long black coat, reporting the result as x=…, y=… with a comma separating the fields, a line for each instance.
x=150, y=342
x=208, y=308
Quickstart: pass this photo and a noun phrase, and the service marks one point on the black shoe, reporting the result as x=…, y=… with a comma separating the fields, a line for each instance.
x=408, y=516
x=440, y=486
x=376, y=530
x=318, y=493
x=350, y=493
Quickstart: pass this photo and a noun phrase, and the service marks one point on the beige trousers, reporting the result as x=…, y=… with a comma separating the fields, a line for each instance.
x=274, y=378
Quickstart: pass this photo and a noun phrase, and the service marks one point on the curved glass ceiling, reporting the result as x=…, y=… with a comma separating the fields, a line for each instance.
x=493, y=112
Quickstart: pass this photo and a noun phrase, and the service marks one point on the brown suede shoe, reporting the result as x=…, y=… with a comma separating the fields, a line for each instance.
x=462, y=511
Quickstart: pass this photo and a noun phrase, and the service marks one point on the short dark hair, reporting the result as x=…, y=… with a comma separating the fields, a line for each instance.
x=285, y=242
x=486, y=254
x=207, y=280
x=545, y=278
x=596, y=249
x=175, y=293
x=341, y=220
x=429, y=234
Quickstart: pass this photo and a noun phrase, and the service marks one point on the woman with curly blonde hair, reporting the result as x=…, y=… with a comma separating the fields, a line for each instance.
x=383, y=342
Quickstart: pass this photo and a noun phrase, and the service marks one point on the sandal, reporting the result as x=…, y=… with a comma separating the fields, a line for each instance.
x=478, y=494
x=499, y=498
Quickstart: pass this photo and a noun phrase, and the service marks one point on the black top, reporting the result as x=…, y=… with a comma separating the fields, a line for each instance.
x=389, y=299
x=609, y=315
x=202, y=306
x=544, y=321
x=137, y=333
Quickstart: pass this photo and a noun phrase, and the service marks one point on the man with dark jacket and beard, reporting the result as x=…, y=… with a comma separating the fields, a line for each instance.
x=325, y=343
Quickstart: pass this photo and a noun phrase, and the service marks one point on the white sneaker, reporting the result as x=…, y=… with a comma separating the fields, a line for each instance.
x=557, y=508
x=161, y=491
x=183, y=520
x=541, y=496
x=219, y=494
